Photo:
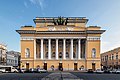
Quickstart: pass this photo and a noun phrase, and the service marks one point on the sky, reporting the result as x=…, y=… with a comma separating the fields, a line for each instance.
x=17, y=13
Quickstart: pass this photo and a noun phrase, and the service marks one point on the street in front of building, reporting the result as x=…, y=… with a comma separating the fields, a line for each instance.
x=58, y=76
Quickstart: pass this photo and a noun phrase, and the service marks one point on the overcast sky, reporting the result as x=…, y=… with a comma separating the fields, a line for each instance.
x=16, y=13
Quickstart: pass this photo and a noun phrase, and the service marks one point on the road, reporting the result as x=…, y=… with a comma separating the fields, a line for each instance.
x=58, y=76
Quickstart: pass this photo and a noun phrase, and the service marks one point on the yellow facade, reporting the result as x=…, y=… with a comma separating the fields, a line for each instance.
x=78, y=46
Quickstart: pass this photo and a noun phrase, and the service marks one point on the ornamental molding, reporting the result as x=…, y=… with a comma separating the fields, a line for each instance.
x=93, y=38
x=50, y=28
x=32, y=38
x=61, y=32
x=27, y=38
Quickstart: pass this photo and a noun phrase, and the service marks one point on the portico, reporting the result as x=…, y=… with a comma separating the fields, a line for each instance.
x=70, y=48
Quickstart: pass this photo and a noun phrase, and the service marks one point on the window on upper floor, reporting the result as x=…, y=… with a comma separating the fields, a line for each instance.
x=116, y=56
x=112, y=56
x=74, y=55
x=27, y=52
x=46, y=55
x=53, y=55
x=67, y=55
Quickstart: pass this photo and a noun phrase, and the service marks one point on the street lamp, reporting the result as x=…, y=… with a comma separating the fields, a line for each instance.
x=68, y=67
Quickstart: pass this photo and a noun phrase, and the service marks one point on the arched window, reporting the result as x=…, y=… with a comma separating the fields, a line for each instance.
x=67, y=55
x=27, y=52
x=60, y=55
x=93, y=53
x=53, y=55
x=74, y=55
x=46, y=55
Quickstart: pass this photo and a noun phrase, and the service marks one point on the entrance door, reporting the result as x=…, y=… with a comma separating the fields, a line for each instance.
x=27, y=66
x=75, y=66
x=60, y=66
x=93, y=66
x=45, y=66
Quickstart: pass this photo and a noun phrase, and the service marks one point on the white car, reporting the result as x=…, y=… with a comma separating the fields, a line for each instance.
x=99, y=71
x=113, y=71
x=42, y=70
x=118, y=71
x=2, y=70
x=14, y=70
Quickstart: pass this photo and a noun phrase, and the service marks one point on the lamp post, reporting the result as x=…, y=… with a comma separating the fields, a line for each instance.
x=68, y=67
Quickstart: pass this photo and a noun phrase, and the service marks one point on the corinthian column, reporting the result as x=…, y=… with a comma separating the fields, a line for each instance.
x=71, y=48
x=49, y=48
x=56, y=48
x=64, y=48
x=41, y=48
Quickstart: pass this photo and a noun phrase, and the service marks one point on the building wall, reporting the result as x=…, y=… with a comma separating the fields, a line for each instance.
x=27, y=44
x=3, y=50
x=91, y=36
x=12, y=58
x=111, y=59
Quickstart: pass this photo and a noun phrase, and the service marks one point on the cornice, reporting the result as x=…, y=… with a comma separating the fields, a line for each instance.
x=95, y=31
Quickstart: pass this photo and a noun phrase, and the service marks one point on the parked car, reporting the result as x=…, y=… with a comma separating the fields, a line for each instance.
x=42, y=70
x=22, y=70
x=113, y=71
x=118, y=71
x=31, y=70
x=14, y=70
x=99, y=71
x=106, y=71
x=90, y=71
x=8, y=69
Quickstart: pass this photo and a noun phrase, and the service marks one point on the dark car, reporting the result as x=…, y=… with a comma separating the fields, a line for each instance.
x=106, y=71
x=90, y=70
x=33, y=70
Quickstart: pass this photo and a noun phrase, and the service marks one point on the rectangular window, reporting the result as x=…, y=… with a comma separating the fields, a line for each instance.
x=116, y=56
x=112, y=57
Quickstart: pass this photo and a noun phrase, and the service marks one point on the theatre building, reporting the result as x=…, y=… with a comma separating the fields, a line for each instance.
x=60, y=43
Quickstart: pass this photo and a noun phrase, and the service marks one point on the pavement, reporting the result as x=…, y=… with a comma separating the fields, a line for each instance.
x=59, y=76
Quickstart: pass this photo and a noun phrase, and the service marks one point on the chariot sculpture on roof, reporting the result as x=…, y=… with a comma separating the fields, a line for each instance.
x=60, y=21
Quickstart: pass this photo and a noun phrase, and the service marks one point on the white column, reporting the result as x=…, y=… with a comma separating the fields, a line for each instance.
x=56, y=48
x=79, y=48
x=64, y=48
x=41, y=48
x=49, y=48
x=34, y=48
x=71, y=48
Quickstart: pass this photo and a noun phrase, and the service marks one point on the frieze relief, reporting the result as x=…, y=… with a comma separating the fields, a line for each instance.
x=60, y=28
